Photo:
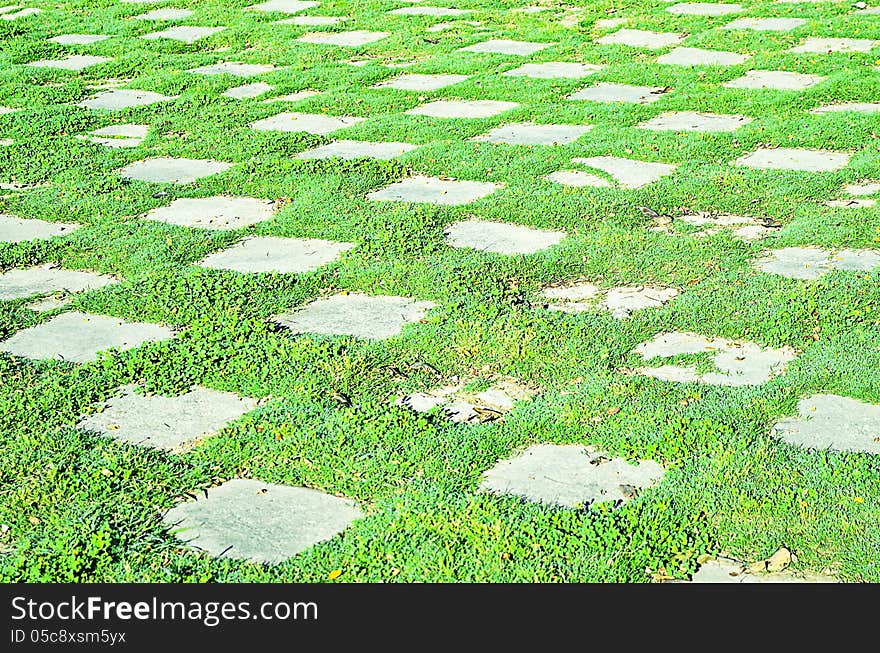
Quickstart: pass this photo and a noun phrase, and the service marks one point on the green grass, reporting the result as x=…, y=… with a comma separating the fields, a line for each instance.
x=79, y=507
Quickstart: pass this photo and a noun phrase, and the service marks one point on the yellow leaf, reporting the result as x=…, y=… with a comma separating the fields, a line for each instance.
x=858, y=500
x=333, y=575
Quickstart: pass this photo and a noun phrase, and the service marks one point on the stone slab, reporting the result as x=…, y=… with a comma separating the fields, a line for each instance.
x=785, y=158
x=312, y=123
x=628, y=173
x=166, y=13
x=415, y=82
x=357, y=150
x=555, y=70
x=823, y=45
x=271, y=254
x=577, y=179
x=813, y=262
x=216, y=213
x=700, y=57
x=826, y=421
x=78, y=39
x=428, y=11
x=234, y=68
x=506, y=46
x=501, y=237
x=22, y=283
x=527, y=133
x=462, y=108
x=20, y=230
x=74, y=62
x=183, y=33
x=248, y=91
x=611, y=92
x=432, y=190
x=856, y=107
x=766, y=24
x=123, y=98
x=166, y=170
x=703, y=9
x=691, y=121
x=124, y=135
x=638, y=38
x=353, y=39
x=778, y=80
x=284, y=6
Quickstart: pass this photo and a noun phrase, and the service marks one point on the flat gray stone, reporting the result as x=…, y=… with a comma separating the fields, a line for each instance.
x=779, y=80
x=742, y=227
x=166, y=13
x=570, y=476
x=726, y=570
x=21, y=230
x=165, y=170
x=699, y=57
x=555, y=70
x=260, y=522
x=79, y=337
x=50, y=303
x=168, y=423
x=442, y=27
x=218, y=213
x=127, y=135
x=766, y=24
x=355, y=314
x=461, y=406
x=248, y=91
x=312, y=123
x=284, y=6
x=690, y=121
x=610, y=92
x=123, y=98
x=462, y=108
x=863, y=189
x=814, y=262
x=78, y=39
x=605, y=23
x=620, y=301
x=637, y=38
x=628, y=173
x=814, y=44
x=413, y=82
x=311, y=21
x=526, y=133
x=353, y=39
x=826, y=421
x=20, y=283
x=184, y=33
x=234, y=68
x=784, y=158
x=501, y=237
x=291, y=97
x=506, y=46
x=268, y=254
x=703, y=9
x=428, y=11
x=11, y=14
x=357, y=150
x=72, y=62
x=577, y=179
x=852, y=203
x=432, y=190
x=6, y=142
x=7, y=110
x=856, y=107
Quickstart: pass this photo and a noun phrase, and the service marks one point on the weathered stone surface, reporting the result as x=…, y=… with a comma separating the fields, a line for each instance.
x=235, y=68
x=218, y=213
x=78, y=39
x=621, y=301
x=779, y=80
x=628, y=173
x=284, y=6
x=357, y=150
x=248, y=91
x=127, y=135
x=827, y=421
x=123, y=98
x=742, y=227
x=74, y=62
x=432, y=190
x=19, y=230
x=608, y=92
x=814, y=44
x=462, y=108
x=421, y=82
x=505, y=46
x=814, y=262
x=531, y=134
x=462, y=406
x=184, y=33
x=766, y=24
x=19, y=283
x=784, y=158
x=353, y=39
x=638, y=38
x=173, y=171
x=500, y=237
x=311, y=21
x=856, y=107
x=577, y=179
x=699, y=57
x=703, y=9
x=726, y=570
x=428, y=11
x=690, y=121
x=168, y=13
x=312, y=123
x=555, y=70
x=280, y=255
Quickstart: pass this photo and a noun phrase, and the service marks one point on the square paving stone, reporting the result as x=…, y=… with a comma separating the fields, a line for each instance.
x=462, y=108
x=621, y=301
x=268, y=254
x=73, y=62
x=432, y=190
x=570, y=476
x=234, y=68
x=357, y=150
x=766, y=24
x=466, y=407
x=353, y=39
x=168, y=423
x=555, y=70
x=168, y=13
x=21, y=230
x=218, y=213
x=689, y=121
x=827, y=421
x=20, y=283
x=577, y=179
x=784, y=158
x=745, y=228
x=698, y=57
x=250, y=520
x=355, y=314
x=248, y=91
x=127, y=135
x=311, y=21
x=703, y=9
x=779, y=80
x=505, y=46
x=526, y=133
x=500, y=237
x=78, y=39
x=814, y=44
x=814, y=262
x=123, y=98
x=165, y=170
x=628, y=173
x=291, y=97
x=12, y=14
x=428, y=11
x=79, y=337
x=727, y=570
x=856, y=107
x=284, y=6
x=312, y=123
x=184, y=33
x=638, y=38
x=609, y=92
x=414, y=82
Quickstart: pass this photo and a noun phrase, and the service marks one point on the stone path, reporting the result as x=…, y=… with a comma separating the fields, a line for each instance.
x=833, y=422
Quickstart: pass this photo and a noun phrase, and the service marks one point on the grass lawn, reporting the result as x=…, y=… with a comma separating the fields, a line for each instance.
x=76, y=505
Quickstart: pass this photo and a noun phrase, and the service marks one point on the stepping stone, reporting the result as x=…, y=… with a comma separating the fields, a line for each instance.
x=835, y=45
x=79, y=337
x=742, y=227
x=7, y=110
x=311, y=21
x=784, y=158
x=127, y=135
x=357, y=150
x=628, y=173
x=505, y=46
x=570, y=476
x=620, y=301
x=168, y=13
x=355, y=314
x=703, y=9
x=78, y=39
x=168, y=423
x=352, y=39
x=500, y=237
x=269, y=254
x=832, y=422
x=726, y=570
x=11, y=14
x=775, y=79
x=283, y=6
x=72, y=62
x=217, y=213
x=235, y=68
x=432, y=190
x=526, y=133
x=608, y=92
x=441, y=27
x=637, y=38
x=862, y=189
x=292, y=97
x=577, y=179
x=766, y=24
x=46, y=279
x=428, y=11
x=260, y=522
x=415, y=82
x=20, y=230
x=739, y=363
x=248, y=91
x=462, y=108
x=123, y=98
x=313, y=123
x=856, y=107
x=699, y=57
x=852, y=203
x=165, y=170
x=689, y=121
x=184, y=33
x=6, y=142
x=555, y=70
x=461, y=406
x=814, y=262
